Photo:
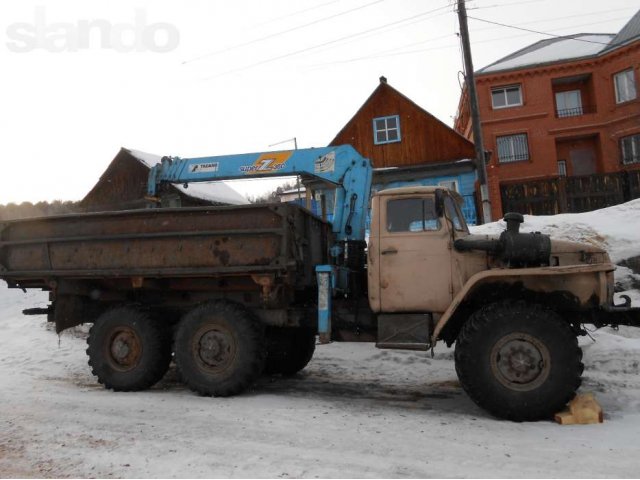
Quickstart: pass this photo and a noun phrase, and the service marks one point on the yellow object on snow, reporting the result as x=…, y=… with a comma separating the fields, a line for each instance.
x=583, y=409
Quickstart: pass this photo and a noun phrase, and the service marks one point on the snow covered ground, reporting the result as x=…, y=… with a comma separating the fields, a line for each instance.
x=354, y=412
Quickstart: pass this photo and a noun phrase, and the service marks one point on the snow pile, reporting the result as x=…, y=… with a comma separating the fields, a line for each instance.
x=615, y=229
x=218, y=192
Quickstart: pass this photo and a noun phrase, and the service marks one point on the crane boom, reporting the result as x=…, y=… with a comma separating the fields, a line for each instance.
x=341, y=166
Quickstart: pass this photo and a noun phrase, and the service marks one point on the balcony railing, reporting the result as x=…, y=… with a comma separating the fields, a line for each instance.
x=575, y=112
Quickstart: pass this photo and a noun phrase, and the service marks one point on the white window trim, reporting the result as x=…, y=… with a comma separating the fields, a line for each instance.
x=562, y=168
x=572, y=111
x=386, y=129
x=512, y=136
x=633, y=82
x=634, y=145
x=506, y=105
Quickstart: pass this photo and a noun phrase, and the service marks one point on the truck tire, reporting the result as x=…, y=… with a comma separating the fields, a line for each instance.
x=289, y=350
x=518, y=361
x=219, y=349
x=128, y=351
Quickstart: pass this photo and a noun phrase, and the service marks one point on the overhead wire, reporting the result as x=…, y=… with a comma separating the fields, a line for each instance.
x=387, y=53
x=536, y=31
x=299, y=12
x=314, y=47
x=282, y=32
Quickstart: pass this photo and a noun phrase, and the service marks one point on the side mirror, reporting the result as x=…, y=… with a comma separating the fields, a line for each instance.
x=439, y=202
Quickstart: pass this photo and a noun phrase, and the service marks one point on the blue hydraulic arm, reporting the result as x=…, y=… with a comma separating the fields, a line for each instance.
x=341, y=166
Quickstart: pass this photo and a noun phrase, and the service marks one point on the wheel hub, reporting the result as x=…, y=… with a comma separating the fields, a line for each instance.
x=125, y=349
x=520, y=361
x=214, y=349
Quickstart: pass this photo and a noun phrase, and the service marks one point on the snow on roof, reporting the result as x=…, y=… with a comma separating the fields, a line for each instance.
x=553, y=50
x=218, y=192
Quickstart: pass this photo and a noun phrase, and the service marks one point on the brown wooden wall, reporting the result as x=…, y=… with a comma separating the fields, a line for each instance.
x=123, y=186
x=424, y=138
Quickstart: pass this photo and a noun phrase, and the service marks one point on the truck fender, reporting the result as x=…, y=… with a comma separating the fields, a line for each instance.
x=514, y=275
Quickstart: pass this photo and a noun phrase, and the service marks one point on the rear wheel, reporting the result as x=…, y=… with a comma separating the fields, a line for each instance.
x=518, y=361
x=128, y=350
x=219, y=349
x=290, y=350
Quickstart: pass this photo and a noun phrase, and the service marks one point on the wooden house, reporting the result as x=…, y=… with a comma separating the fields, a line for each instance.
x=123, y=186
x=409, y=146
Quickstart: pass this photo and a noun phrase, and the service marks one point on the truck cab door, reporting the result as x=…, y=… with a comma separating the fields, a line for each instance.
x=414, y=256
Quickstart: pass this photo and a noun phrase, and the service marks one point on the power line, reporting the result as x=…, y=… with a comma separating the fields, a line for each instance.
x=363, y=36
x=505, y=4
x=537, y=31
x=570, y=27
x=300, y=12
x=282, y=32
x=330, y=42
x=386, y=53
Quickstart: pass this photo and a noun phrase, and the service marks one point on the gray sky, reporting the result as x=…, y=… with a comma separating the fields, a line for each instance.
x=244, y=74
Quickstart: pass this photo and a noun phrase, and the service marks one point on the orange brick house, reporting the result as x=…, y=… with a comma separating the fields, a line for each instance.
x=560, y=108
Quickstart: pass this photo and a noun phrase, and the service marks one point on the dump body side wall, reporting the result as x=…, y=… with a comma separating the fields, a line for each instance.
x=260, y=255
x=165, y=243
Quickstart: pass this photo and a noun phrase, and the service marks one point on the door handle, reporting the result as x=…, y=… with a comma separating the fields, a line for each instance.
x=389, y=251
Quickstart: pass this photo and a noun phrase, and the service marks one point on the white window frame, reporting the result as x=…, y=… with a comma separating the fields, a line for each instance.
x=624, y=83
x=386, y=130
x=562, y=168
x=504, y=89
x=513, y=138
x=562, y=97
x=634, y=147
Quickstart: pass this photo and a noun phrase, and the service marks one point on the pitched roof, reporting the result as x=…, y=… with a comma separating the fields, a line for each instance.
x=383, y=85
x=631, y=31
x=569, y=47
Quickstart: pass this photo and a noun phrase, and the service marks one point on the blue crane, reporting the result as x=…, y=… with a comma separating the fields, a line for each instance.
x=341, y=166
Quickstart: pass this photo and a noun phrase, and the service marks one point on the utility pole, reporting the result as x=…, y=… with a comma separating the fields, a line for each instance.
x=481, y=164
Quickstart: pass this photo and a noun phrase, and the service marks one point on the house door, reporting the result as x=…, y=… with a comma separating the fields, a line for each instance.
x=583, y=161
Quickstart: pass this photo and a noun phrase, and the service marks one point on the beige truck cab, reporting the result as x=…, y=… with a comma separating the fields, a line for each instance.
x=512, y=304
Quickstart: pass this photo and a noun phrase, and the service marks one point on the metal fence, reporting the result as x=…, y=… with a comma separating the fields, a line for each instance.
x=570, y=194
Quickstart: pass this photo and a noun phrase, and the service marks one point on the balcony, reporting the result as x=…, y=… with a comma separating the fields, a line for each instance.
x=573, y=95
x=576, y=111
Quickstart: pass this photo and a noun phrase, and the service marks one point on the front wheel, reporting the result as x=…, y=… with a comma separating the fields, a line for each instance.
x=518, y=361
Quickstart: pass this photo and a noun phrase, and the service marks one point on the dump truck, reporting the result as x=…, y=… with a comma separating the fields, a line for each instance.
x=228, y=293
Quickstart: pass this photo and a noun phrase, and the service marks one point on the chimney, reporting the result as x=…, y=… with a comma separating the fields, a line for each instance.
x=383, y=79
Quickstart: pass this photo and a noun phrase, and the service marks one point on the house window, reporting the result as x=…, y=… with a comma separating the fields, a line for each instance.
x=562, y=168
x=386, y=129
x=450, y=184
x=625, y=85
x=630, y=148
x=512, y=148
x=568, y=104
x=504, y=97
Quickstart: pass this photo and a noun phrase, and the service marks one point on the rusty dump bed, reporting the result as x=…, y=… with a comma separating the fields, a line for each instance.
x=156, y=243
